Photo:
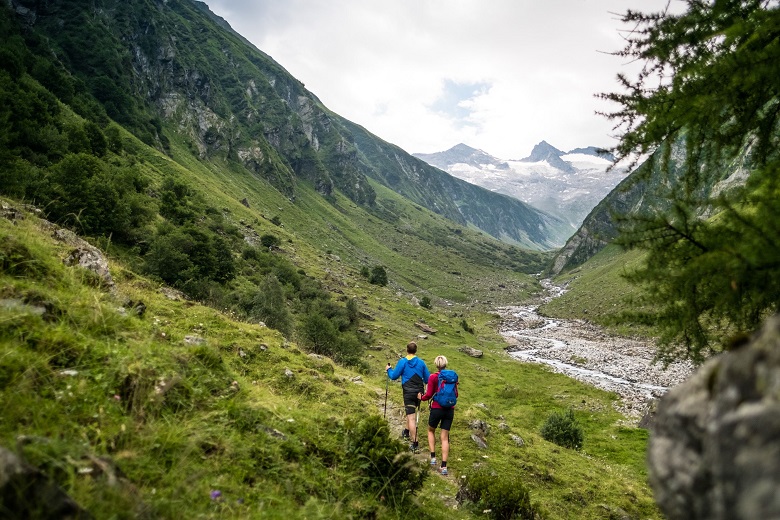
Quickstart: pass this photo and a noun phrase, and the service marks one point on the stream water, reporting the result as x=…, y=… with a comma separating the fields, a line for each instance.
x=586, y=352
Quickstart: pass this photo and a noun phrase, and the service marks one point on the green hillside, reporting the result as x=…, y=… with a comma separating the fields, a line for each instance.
x=598, y=291
x=146, y=414
x=174, y=71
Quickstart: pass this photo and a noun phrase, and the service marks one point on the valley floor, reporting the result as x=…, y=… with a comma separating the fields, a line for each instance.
x=588, y=353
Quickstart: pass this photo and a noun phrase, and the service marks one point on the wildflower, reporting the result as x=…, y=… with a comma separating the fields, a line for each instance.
x=216, y=494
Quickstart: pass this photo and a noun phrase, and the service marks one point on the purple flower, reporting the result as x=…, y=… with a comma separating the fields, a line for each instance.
x=216, y=494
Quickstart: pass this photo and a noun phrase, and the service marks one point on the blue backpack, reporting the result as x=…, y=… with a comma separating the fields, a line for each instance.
x=447, y=395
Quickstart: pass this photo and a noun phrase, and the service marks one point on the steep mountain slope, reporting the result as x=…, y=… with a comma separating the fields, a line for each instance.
x=235, y=103
x=503, y=217
x=650, y=189
x=139, y=403
x=565, y=184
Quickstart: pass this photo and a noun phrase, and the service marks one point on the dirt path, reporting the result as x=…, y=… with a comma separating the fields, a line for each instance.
x=586, y=352
x=396, y=418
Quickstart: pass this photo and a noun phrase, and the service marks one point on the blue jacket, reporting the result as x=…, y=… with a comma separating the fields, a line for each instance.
x=407, y=367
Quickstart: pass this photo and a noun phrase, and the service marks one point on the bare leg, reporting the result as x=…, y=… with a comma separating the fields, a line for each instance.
x=445, y=444
x=411, y=423
x=431, y=439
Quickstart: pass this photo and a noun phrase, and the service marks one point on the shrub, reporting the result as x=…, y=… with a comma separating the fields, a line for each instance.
x=465, y=326
x=425, y=302
x=322, y=335
x=180, y=254
x=383, y=465
x=270, y=306
x=563, y=429
x=378, y=276
x=269, y=241
x=501, y=495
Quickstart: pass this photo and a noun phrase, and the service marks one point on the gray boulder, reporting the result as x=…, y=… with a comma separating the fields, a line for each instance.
x=85, y=255
x=714, y=449
x=25, y=492
x=479, y=441
x=473, y=352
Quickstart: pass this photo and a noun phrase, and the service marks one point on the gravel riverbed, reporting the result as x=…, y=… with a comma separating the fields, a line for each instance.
x=588, y=353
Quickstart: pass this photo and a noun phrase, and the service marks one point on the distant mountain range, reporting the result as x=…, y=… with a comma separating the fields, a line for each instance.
x=565, y=184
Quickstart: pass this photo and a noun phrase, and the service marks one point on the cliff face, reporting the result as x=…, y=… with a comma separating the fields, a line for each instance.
x=174, y=67
x=649, y=190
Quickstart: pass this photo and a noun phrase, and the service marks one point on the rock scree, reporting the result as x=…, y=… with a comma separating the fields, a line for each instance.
x=586, y=352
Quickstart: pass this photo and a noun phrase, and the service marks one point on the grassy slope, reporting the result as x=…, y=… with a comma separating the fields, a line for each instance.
x=201, y=434
x=198, y=433
x=597, y=291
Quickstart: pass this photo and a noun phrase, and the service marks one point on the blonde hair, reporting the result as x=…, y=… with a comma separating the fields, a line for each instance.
x=440, y=362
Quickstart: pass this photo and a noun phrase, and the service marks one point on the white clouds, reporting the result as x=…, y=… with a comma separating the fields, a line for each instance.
x=403, y=69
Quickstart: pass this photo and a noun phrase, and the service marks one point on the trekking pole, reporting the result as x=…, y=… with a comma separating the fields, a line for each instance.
x=387, y=385
x=417, y=424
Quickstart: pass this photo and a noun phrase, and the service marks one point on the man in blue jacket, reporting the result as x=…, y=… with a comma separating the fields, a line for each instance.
x=413, y=374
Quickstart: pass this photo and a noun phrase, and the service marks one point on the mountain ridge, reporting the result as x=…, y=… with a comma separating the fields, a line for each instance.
x=647, y=190
x=234, y=103
x=565, y=184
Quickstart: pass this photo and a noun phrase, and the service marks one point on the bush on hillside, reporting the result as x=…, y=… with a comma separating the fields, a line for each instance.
x=270, y=241
x=96, y=198
x=425, y=302
x=465, y=326
x=563, y=429
x=323, y=335
x=501, y=496
x=384, y=465
x=378, y=276
x=270, y=306
x=179, y=254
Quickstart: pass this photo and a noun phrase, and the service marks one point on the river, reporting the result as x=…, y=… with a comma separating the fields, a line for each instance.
x=586, y=352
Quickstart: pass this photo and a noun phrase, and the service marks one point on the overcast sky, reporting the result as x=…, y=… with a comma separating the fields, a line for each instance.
x=498, y=75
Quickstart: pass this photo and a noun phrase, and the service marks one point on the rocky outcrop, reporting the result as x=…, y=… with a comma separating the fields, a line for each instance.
x=85, y=255
x=25, y=492
x=715, y=445
x=425, y=327
x=473, y=352
x=648, y=191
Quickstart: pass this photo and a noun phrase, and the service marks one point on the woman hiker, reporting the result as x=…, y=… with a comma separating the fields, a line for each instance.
x=413, y=373
x=440, y=415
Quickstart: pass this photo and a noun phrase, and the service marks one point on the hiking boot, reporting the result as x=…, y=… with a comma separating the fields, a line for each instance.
x=433, y=461
x=444, y=471
x=405, y=434
x=414, y=447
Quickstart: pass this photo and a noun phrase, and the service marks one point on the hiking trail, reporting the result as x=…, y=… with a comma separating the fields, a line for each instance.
x=396, y=418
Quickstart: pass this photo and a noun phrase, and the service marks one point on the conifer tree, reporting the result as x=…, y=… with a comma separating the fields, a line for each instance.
x=707, y=103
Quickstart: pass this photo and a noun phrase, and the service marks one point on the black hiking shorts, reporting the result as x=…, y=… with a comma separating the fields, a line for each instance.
x=443, y=416
x=411, y=388
x=411, y=403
